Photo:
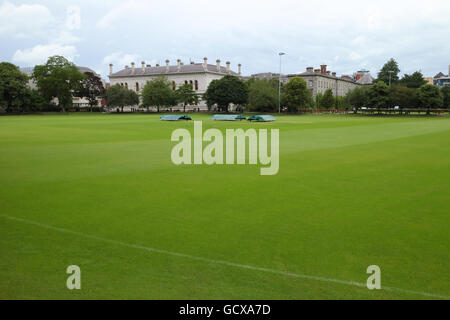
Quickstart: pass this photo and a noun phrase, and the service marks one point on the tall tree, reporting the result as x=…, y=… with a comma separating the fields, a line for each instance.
x=33, y=101
x=430, y=96
x=378, y=95
x=131, y=98
x=186, y=95
x=208, y=96
x=225, y=91
x=357, y=97
x=342, y=103
x=327, y=100
x=319, y=98
x=263, y=95
x=390, y=69
x=91, y=88
x=58, y=78
x=297, y=95
x=445, y=91
x=403, y=97
x=158, y=93
x=118, y=96
x=13, y=85
x=414, y=80
x=115, y=96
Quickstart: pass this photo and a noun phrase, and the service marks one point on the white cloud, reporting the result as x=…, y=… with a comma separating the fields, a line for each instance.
x=24, y=20
x=61, y=39
x=65, y=38
x=247, y=32
x=120, y=59
x=40, y=53
x=73, y=21
x=354, y=56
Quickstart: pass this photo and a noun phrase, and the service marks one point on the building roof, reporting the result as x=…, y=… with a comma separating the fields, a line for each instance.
x=366, y=79
x=85, y=70
x=439, y=75
x=266, y=75
x=184, y=68
x=330, y=76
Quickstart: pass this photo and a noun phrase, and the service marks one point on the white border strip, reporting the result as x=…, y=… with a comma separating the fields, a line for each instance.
x=231, y=264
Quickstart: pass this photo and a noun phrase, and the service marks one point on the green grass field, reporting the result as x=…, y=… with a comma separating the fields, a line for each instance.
x=99, y=191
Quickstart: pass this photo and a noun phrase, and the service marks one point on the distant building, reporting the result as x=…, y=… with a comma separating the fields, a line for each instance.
x=441, y=80
x=268, y=76
x=199, y=75
x=363, y=77
x=429, y=80
x=319, y=80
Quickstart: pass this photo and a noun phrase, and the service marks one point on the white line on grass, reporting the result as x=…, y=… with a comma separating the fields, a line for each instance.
x=232, y=264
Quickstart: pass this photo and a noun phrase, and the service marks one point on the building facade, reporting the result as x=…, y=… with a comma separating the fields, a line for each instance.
x=441, y=80
x=199, y=75
x=320, y=80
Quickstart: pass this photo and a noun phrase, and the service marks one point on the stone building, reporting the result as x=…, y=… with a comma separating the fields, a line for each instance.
x=199, y=75
x=319, y=80
x=363, y=77
x=441, y=80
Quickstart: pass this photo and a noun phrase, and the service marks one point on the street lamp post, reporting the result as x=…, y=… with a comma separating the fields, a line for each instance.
x=279, y=84
x=390, y=73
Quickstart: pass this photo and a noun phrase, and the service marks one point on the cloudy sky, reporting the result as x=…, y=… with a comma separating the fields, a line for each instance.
x=346, y=35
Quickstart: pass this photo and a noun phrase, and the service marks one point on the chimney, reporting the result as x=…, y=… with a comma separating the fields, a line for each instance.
x=157, y=64
x=328, y=72
x=148, y=66
x=126, y=67
x=323, y=69
x=132, y=67
x=310, y=69
x=239, y=68
x=218, y=65
x=110, y=68
x=205, y=63
x=167, y=65
x=228, y=66
x=316, y=70
x=192, y=62
x=178, y=65
x=143, y=66
x=334, y=74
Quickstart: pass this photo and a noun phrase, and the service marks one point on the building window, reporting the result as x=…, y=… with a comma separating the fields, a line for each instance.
x=126, y=85
x=185, y=82
x=196, y=85
x=137, y=87
x=310, y=83
x=174, y=86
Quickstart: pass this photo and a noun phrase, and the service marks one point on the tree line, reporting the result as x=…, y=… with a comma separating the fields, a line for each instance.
x=55, y=84
x=59, y=80
x=387, y=91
